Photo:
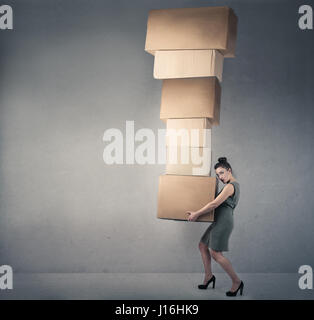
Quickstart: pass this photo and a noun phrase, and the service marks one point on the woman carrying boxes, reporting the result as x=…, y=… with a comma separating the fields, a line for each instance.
x=217, y=234
x=189, y=46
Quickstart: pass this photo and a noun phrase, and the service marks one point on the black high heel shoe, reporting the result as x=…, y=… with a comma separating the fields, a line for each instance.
x=204, y=286
x=233, y=294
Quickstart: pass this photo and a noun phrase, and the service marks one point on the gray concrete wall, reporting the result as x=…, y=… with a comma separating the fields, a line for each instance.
x=72, y=69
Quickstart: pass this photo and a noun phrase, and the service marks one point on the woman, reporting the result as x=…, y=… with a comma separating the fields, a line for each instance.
x=217, y=235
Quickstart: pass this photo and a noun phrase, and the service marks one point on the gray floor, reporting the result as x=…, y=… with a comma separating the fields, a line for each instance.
x=145, y=286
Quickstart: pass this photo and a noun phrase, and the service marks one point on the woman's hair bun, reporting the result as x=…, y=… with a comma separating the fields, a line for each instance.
x=223, y=163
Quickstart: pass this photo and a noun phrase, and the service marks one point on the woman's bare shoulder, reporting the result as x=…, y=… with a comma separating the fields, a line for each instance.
x=229, y=188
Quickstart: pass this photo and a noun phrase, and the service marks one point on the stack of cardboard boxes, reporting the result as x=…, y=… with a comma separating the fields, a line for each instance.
x=189, y=46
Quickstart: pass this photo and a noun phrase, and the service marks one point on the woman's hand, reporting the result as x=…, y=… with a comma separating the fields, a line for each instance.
x=192, y=215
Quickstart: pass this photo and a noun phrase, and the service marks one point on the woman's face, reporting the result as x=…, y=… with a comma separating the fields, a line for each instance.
x=223, y=174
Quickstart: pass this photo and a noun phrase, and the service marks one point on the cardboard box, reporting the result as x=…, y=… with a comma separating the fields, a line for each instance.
x=191, y=98
x=178, y=194
x=192, y=28
x=194, y=132
x=188, y=64
x=188, y=161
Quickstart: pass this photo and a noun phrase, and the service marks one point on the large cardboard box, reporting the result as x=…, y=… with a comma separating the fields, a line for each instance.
x=188, y=64
x=194, y=132
x=191, y=98
x=188, y=161
x=178, y=194
x=192, y=28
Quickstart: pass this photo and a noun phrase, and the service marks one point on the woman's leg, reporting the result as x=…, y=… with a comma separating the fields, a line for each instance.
x=206, y=261
x=226, y=265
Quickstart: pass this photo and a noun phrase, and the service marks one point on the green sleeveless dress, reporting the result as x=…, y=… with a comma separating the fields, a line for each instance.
x=217, y=234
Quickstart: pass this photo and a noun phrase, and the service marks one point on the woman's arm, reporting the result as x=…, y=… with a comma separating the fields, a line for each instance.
x=227, y=191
